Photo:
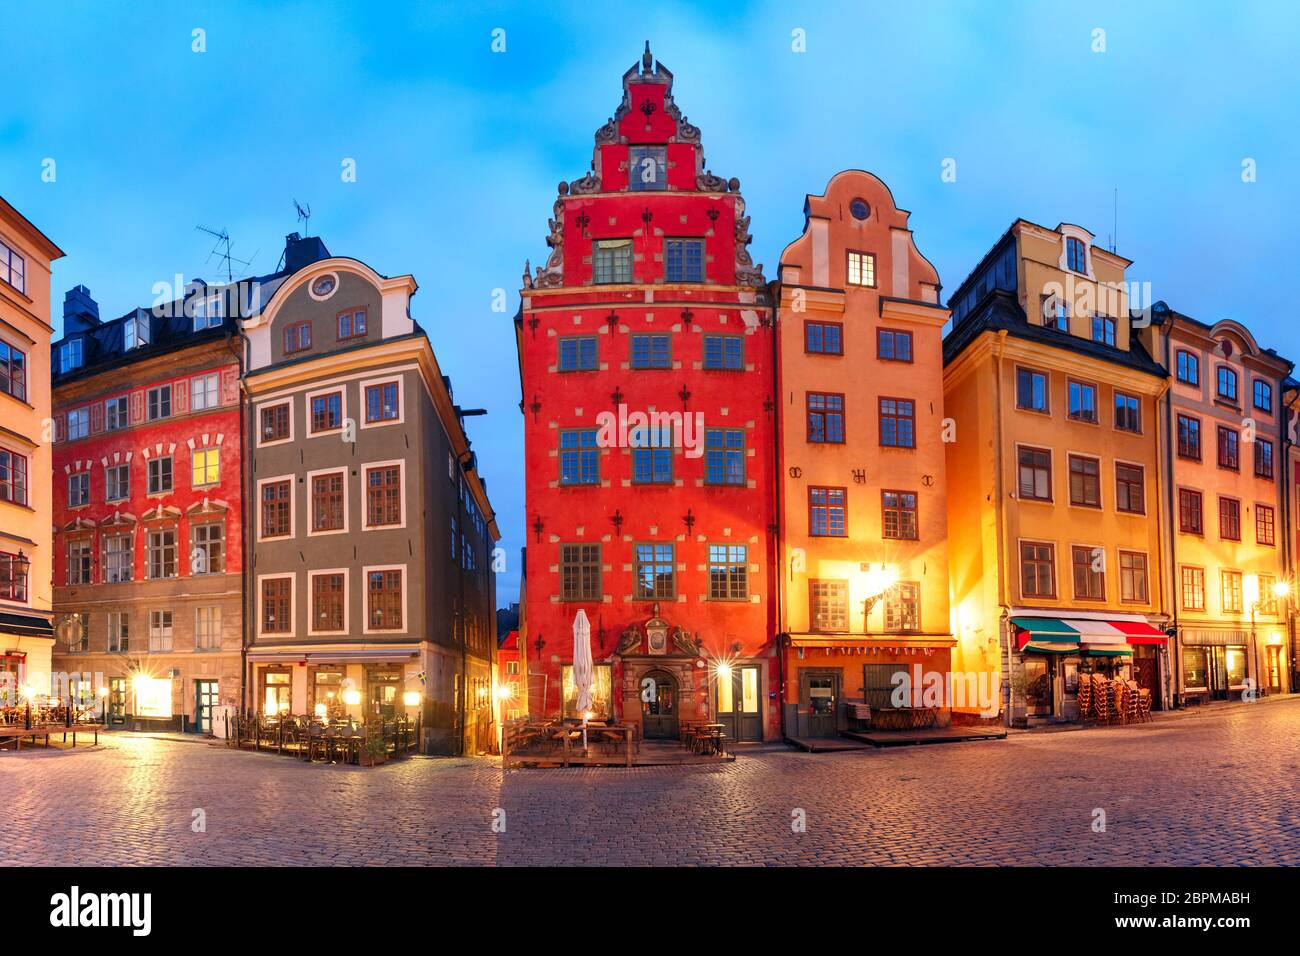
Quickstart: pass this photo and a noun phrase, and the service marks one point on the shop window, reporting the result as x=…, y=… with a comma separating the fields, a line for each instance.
x=601, y=691
x=153, y=697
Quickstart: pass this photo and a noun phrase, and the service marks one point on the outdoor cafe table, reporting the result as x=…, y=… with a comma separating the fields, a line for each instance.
x=569, y=734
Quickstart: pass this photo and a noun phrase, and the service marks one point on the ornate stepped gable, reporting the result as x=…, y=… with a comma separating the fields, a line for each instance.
x=648, y=115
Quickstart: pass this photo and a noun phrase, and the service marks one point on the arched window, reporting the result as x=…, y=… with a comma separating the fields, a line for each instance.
x=1227, y=384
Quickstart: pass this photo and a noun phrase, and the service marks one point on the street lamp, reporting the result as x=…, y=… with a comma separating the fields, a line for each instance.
x=877, y=582
x=1251, y=592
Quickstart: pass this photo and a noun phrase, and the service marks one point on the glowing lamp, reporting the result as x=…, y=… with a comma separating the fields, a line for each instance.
x=411, y=698
x=1281, y=589
x=321, y=710
x=352, y=697
x=1250, y=588
x=724, y=670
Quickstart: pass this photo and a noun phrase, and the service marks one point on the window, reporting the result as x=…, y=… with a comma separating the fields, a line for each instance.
x=119, y=632
x=160, y=402
x=1263, y=396
x=352, y=324
x=135, y=332
x=13, y=371
x=79, y=563
x=827, y=512
x=297, y=337
x=118, y=558
x=70, y=355
x=206, y=467
x=1188, y=368
x=580, y=572
x=13, y=477
x=116, y=414
x=275, y=423
x=1193, y=580
x=1133, y=577
x=652, y=458
x=1083, y=402
x=203, y=392
x=1076, y=255
x=647, y=168
x=728, y=572
x=579, y=457
x=1230, y=585
x=75, y=629
x=892, y=346
x=829, y=602
x=823, y=338
x=13, y=268
x=1264, y=458
x=117, y=482
x=207, y=312
x=327, y=600
x=1189, y=511
x=651, y=351
x=1130, y=488
x=1037, y=569
x=276, y=514
x=898, y=519
x=578, y=353
x=327, y=502
x=1056, y=313
x=14, y=571
x=78, y=423
x=161, y=553
x=1189, y=437
x=207, y=628
x=382, y=402
x=1229, y=519
x=1265, y=526
x=160, y=475
x=79, y=489
x=1103, y=330
x=656, y=574
x=1089, y=573
x=1228, y=442
x=684, y=259
x=825, y=418
x=1226, y=384
x=1085, y=481
x=862, y=269
x=160, y=633
x=326, y=412
x=1031, y=390
x=611, y=260
x=1035, y=466
x=724, y=456
x=1128, y=413
x=897, y=423
x=277, y=605
x=384, y=495
x=208, y=548
x=903, y=607
x=726, y=352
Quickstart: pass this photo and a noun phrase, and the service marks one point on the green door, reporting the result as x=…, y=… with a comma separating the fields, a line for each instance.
x=205, y=693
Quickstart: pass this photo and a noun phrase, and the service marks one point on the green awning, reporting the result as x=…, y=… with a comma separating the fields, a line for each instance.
x=1107, y=652
x=1050, y=647
x=1047, y=625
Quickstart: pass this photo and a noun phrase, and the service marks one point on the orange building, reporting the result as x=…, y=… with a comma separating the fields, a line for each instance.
x=864, y=562
x=1055, y=523
x=1226, y=428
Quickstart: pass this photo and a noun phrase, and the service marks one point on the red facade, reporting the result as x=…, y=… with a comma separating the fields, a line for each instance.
x=649, y=306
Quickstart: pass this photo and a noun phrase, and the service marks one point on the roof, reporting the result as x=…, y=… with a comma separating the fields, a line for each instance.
x=1000, y=310
x=34, y=235
x=510, y=642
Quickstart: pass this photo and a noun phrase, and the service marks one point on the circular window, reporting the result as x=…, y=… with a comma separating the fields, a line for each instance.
x=860, y=209
x=323, y=286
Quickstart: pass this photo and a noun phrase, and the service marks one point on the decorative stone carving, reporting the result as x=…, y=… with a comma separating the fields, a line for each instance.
x=589, y=183
x=686, y=644
x=630, y=640
x=607, y=133
x=710, y=183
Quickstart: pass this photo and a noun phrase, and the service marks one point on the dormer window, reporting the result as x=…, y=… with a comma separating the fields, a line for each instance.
x=1076, y=255
x=1103, y=330
x=1056, y=313
x=647, y=168
x=70, y=356
x=207, y=312
x=135, y=332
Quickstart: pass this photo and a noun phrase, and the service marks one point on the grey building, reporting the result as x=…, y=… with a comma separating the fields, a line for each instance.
x=370, y=587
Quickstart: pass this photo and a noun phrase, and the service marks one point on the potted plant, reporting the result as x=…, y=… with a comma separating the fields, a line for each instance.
x=374, y=751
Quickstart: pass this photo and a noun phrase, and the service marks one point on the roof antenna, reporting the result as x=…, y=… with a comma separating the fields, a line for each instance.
x=222, y=251
x=1114, y=229
x=304, y=215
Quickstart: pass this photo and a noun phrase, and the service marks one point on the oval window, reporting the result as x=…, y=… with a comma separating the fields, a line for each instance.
x=859, y=209
x=322, y=287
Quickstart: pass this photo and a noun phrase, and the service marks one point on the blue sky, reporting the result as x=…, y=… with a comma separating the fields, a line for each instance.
x=458, y=149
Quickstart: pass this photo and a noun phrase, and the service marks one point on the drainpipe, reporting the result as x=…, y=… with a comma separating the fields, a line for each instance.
x=778, y=593
x=999, y=490
x=1169, y=538
x=240, y=352
x=1288, y=556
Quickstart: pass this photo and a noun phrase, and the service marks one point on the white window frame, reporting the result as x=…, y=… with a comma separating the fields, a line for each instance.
x=71, y=355
x=171, y=402
x=342, y=391
x=263, y=442
x=113, y=630
x=123, y=403
x=81, y=415
x=199, y=386
x=108, y=484
x=399, y=380
x=203, y=450
x=167, y=632
x=214, y=628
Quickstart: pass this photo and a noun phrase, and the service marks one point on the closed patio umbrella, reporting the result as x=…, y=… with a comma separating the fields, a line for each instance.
x=583, y=669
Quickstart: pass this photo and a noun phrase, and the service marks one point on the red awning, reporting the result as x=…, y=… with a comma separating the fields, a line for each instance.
x=1140, y=632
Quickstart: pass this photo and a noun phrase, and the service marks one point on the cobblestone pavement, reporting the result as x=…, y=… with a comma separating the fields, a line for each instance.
x=1218, y=789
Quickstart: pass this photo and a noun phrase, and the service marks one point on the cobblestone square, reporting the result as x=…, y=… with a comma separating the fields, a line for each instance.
x=1217, y=788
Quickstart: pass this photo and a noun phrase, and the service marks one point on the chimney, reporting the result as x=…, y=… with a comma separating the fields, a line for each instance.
x=80, y=311
x=300, y=253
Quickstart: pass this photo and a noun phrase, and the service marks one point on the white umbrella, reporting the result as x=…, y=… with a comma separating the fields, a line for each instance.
x=584, y=672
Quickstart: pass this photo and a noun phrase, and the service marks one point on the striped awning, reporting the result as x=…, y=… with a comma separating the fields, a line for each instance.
x=1063, y=634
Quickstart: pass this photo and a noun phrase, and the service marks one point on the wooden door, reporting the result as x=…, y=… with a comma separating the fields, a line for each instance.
x=1146, y=671
x=659, y=713
x=819, y=693
x=738, y=707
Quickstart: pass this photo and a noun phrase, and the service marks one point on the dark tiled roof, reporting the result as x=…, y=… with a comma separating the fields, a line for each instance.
x=1000, y=310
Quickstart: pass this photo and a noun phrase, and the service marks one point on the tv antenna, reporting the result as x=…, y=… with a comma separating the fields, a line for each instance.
x=221, y=250
x=304, y=215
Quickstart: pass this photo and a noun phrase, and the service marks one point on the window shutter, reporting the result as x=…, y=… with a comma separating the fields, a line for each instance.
x=181, y=396
x=137, y=406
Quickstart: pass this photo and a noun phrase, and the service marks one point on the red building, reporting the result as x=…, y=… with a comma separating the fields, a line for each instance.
x=147, y=509
x=645, y=358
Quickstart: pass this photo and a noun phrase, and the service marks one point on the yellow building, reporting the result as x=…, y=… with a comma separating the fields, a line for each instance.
x=1226, y=429
x=864, y=563
x=26, y=523
x=1055, y=519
